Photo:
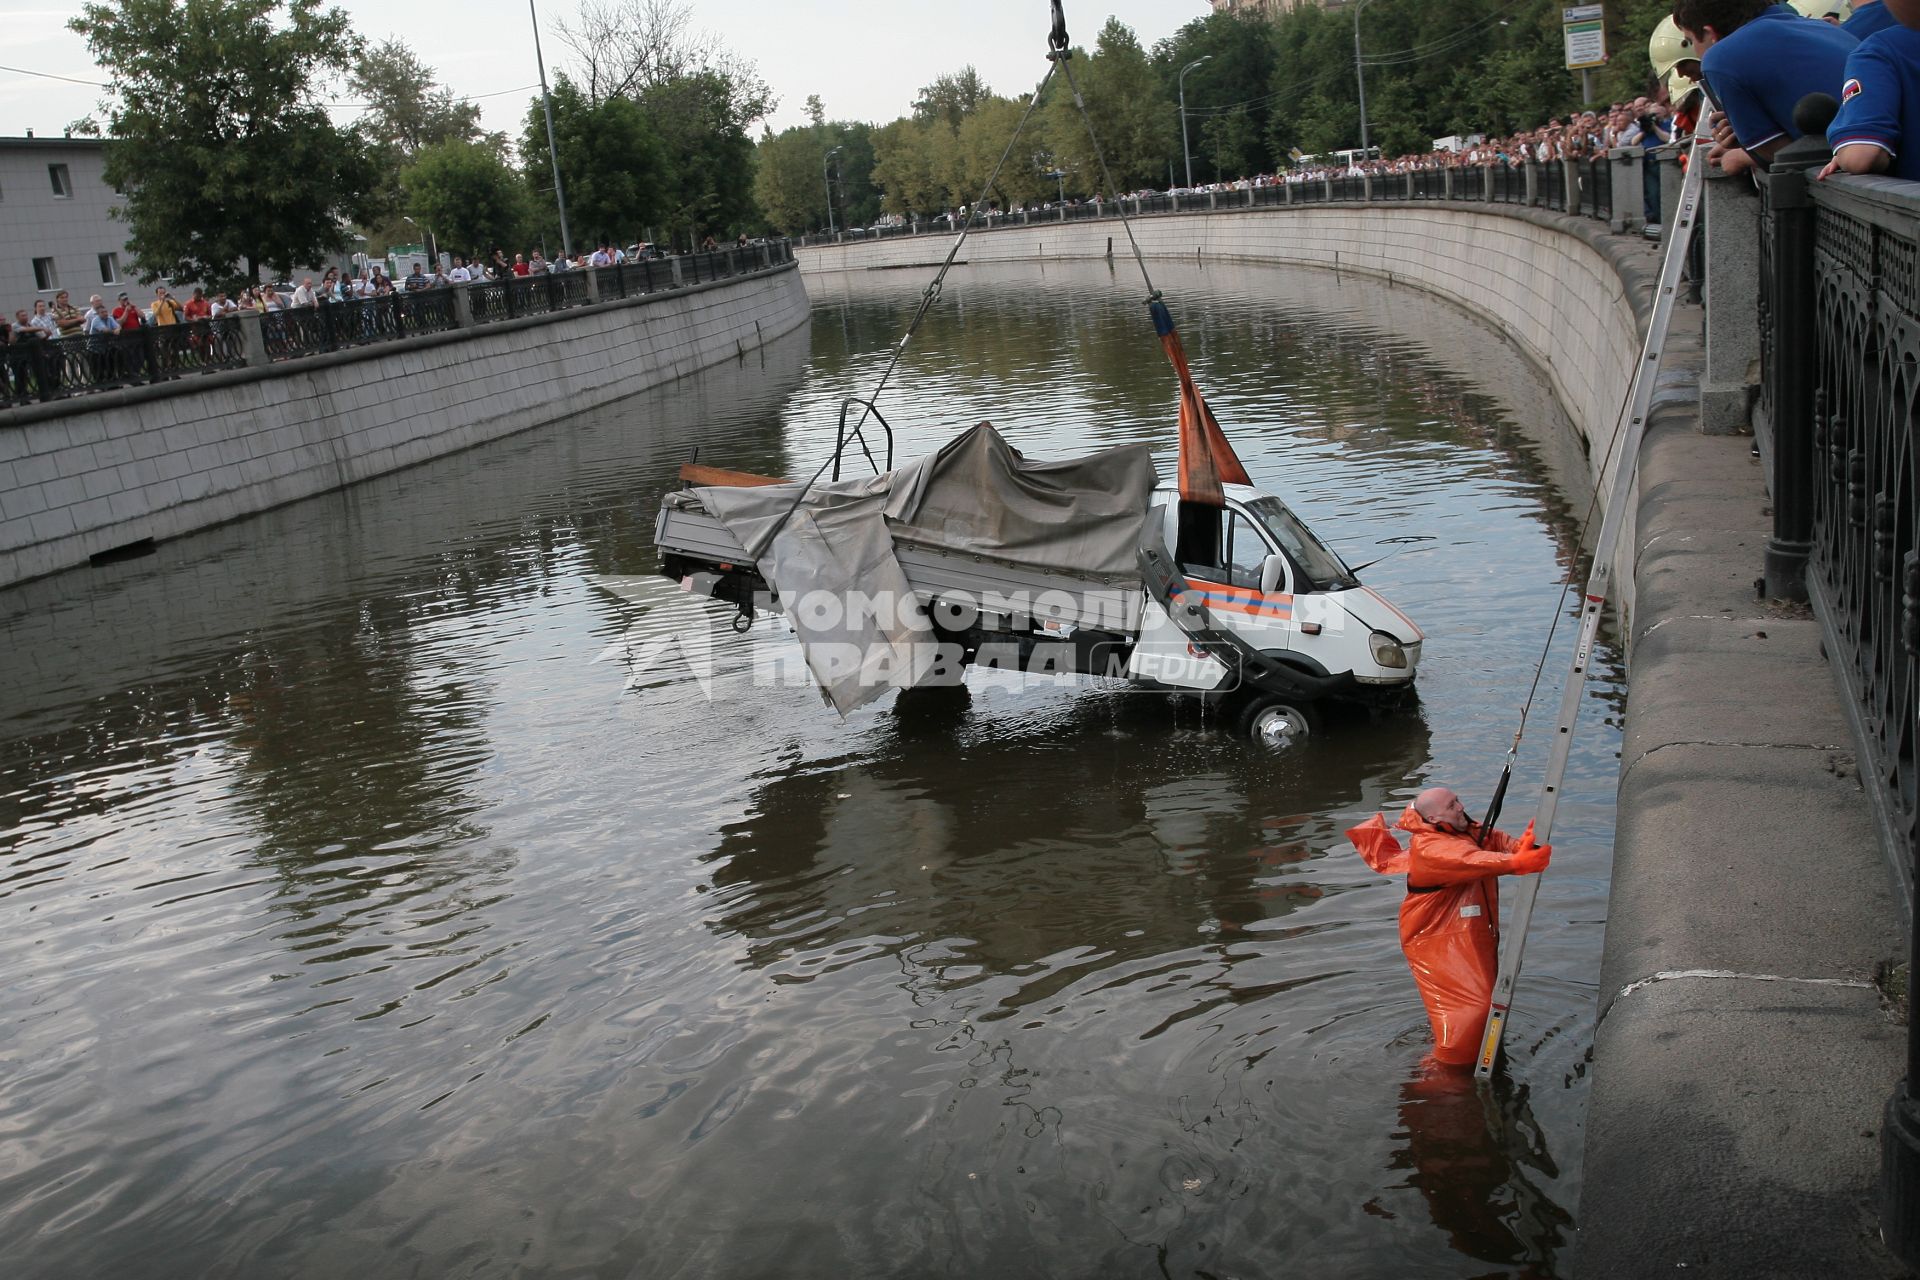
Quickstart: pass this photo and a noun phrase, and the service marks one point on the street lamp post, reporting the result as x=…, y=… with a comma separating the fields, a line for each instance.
x=1184, y=151
x=1360, y=80
x=553, y=147
x=826, y=176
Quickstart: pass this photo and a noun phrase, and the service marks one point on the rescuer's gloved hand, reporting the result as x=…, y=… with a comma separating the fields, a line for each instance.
x=1530, y=858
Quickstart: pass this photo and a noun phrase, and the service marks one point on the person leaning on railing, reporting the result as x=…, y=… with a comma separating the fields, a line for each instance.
x=1878, y=128
x=1759, y=59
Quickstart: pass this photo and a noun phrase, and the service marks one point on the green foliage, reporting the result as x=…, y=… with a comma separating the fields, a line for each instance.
x=1225, y=115
x=793, y=171
x=951, y=98
x=1263, y=87
x=613, y=167
x=708, y=183
x=407, y=111
x=1136, y=122
x=470, y=198
x=218, y=136
x=908, y=166
x=977, y=148
x=700, y=100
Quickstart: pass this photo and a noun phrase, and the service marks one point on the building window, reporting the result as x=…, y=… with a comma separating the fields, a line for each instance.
x=45, y=278
x=62, y=184
x=109, y=268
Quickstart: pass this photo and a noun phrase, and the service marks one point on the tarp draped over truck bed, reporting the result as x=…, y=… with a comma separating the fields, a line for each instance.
x=976, y=495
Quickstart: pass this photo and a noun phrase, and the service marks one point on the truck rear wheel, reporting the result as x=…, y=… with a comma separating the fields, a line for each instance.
x=1273, y=721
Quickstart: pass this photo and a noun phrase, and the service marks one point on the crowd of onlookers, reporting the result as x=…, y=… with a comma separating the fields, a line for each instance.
x=62, y=317
x=32, y=365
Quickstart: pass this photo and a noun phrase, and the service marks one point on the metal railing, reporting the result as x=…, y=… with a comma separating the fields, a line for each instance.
x=48, y=368
x=1579, y=188
x=1840, y=419
x=34, y=368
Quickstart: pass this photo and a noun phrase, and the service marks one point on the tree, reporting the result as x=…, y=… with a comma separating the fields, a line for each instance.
x=908, y=164
x=218, y=136
x=406, y=111
x=701, y=98
x=468, y=195
x=788, y=180
x=709, y=178
x=982, y=139
x=612, y=165
x=951, y=98
x=1137, y=124
x=1227, y=93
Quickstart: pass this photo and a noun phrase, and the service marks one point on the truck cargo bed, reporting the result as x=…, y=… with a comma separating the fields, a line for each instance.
x=687, y=533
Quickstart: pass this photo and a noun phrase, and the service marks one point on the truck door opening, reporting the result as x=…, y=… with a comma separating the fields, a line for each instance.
x=1219, y=546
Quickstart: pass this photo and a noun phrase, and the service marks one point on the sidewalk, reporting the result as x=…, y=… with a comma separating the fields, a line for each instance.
x=1743, y=1053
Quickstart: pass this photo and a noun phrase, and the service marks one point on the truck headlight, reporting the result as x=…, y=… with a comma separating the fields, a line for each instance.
x=1387, y=651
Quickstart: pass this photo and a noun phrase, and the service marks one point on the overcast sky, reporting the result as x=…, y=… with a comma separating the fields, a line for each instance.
x=864, y=60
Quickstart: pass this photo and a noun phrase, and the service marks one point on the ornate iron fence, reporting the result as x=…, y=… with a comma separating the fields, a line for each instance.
x=1864, y=568
x=46, y=369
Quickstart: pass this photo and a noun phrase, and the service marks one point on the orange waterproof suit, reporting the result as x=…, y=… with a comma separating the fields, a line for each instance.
x=1450, y=921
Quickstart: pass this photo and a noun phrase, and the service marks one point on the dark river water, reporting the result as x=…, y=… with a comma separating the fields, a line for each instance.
x=375, y=900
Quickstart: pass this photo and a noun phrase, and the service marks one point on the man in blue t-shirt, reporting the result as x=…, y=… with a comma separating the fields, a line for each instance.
x=1758, y=60
x=1869, y=18
x=1878, y=128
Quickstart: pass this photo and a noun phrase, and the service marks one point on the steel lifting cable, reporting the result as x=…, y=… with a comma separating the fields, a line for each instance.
x=1056, y=55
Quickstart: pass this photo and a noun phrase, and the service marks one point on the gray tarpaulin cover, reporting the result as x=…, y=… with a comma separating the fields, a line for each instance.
x=977, y=495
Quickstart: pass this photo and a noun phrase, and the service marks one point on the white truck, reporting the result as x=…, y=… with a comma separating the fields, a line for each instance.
x=1087, y=566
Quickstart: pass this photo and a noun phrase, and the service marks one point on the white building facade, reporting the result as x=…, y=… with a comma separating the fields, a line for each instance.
x=56, y=228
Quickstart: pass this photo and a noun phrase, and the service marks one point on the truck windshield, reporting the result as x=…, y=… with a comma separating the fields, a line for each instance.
x=1314, y=558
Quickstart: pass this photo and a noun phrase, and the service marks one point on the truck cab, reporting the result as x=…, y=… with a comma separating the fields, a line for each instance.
x=1255, y=577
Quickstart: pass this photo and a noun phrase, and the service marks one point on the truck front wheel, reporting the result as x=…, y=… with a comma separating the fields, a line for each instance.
x=1273, y=721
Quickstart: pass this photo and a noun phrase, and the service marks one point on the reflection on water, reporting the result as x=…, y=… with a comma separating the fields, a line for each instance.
x=376, y=897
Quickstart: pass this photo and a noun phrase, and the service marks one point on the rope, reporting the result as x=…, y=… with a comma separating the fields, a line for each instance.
x=1572, y=583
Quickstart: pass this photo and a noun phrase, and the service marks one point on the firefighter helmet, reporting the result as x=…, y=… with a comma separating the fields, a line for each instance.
x=1669, y=47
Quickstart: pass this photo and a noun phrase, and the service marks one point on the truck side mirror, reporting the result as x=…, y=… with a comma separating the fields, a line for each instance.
x=1273, y=571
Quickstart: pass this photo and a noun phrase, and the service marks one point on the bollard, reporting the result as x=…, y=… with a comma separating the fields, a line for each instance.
x=463, y=306
x=1532, y=170
x=1732, y=293
x=253, y=338
x=1628, y=176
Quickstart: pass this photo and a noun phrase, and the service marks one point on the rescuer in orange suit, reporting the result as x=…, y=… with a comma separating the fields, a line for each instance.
x=1450, y=921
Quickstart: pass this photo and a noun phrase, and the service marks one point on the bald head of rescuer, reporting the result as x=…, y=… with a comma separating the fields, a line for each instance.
x=1450, y=918
x=1441, y=807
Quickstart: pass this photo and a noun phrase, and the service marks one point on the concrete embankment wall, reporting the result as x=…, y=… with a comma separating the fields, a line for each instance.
x=83, y=476
x=1572, y=298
